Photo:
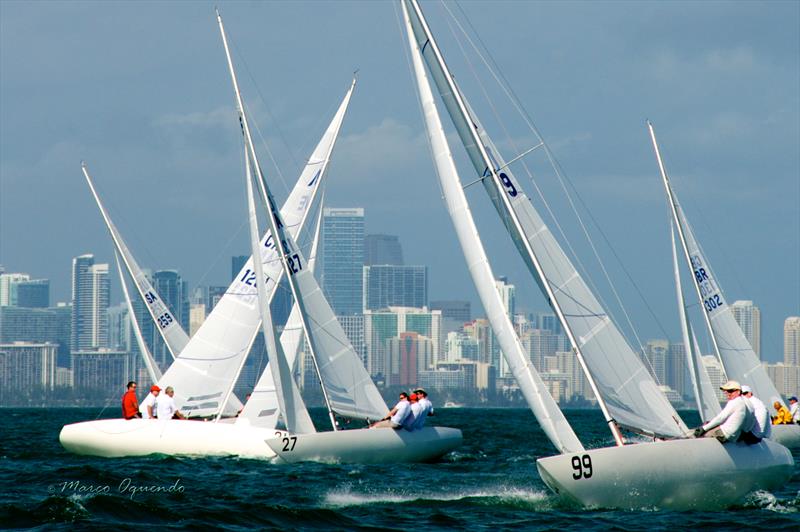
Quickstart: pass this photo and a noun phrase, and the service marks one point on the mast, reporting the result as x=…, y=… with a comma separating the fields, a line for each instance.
x=674, y=209
x=276, y=226
x=498, y=184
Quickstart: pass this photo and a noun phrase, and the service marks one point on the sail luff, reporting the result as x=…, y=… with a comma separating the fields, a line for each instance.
x=170, y=329
x=486, y=167
x=290, y=402
x=152, y=368
x=544, y=407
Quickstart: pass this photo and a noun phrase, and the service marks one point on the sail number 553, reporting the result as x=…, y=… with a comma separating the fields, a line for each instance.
x=582, y=465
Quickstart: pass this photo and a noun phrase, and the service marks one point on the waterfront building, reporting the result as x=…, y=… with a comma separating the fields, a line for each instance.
x=102, y=374
x=382, y=325
x=342, y=242
x=382, y=249
x=395, y=286
x=786, y=378
x=748, y=316
x=32, y=293
x=90, y=299
x=8, y=295
x=38, y=325
x=791, y=341
x=26, y=367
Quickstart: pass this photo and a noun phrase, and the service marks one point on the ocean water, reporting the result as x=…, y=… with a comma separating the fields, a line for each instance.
x=491, y=482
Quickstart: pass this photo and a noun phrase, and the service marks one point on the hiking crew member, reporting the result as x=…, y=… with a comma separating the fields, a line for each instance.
x=130, y=404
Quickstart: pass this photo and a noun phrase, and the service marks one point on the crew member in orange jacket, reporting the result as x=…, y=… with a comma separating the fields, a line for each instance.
x=130, y=404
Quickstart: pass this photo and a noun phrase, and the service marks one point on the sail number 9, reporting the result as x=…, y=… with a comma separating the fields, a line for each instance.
x=582, y=466
x=512, y=190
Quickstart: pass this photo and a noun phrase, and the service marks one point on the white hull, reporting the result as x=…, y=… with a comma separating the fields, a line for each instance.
x=787, y=435
x=677, y=474
x=114, y=438
x=367, y=445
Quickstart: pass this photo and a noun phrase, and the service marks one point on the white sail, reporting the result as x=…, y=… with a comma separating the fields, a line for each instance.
x=152, y=368
x=625, y=388
x=290, y=403
x=167, y=325
x=733, y=350
x=544, y=407
x=262, y=409
x=705, y=397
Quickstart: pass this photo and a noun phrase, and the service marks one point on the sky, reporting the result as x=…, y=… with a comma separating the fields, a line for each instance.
x=140, y=91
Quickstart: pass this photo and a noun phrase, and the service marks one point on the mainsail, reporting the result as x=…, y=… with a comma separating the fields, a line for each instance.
x=733, y=350
x=542, y=404
x=168, y=326
x=624, y=386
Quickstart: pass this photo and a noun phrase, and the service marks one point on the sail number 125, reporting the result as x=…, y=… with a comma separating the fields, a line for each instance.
x=582, y=465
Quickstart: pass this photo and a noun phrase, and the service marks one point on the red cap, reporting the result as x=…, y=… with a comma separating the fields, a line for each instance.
x=155, y=388
x=413, y=397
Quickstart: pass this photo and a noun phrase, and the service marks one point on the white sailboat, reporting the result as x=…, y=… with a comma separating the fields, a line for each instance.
x=213, y=358
x=731, y=347
x=674, y=473
x=347, y=387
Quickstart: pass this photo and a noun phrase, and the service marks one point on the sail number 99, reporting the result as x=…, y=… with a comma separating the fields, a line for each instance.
x=582, y=465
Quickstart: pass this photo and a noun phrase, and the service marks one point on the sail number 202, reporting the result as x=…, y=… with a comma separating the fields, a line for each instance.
x=582, y=465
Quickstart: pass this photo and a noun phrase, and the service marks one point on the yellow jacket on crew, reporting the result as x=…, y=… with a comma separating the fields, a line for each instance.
x=783, y=417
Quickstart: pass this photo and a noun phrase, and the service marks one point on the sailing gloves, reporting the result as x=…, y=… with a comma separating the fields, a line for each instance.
x=698, y=432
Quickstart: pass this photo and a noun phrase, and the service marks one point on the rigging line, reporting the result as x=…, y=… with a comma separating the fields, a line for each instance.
x=561, y=177
x=266, y=106
x=506, y=87
x=581, y=267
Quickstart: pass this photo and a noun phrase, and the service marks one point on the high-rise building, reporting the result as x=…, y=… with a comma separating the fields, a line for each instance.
x=34, y=293
x=380, y=326
x=237, y=263
x=786, y=378
x=26, y=367
x=342, y=241
x=38, y=325
x=458, y=311
x=508, y=295
x=677, y=370
x=8, y=294
x=655, y=358
x=409, y=354
x=541, y=343
x=791, y=341
x=175, y=294
x=382, y=249
x=461, y=346
x=120, y=332
x=481, y=332
x=748, y=316
x=102, y=373
x=395, y=286
x=90, y=298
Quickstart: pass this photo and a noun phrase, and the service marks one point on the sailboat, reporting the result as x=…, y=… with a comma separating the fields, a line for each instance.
x=206, y=368
x=348, y=390
x=670, y=472
x=731, y=347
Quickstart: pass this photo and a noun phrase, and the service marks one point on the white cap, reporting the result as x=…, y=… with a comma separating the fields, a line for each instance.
x=746, y=389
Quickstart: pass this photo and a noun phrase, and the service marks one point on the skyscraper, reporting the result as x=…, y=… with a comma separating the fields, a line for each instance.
x=237, y=263
x=508, y=296
x=791, y=341
x=34, y=293
x=395, y=286
x=8, y=288
x=90, y=297
x=175, y=294
x=382, y=249
x=748, y=316
x=342, y=242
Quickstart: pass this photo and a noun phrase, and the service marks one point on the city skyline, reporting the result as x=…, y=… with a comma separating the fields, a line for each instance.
x=164, y=148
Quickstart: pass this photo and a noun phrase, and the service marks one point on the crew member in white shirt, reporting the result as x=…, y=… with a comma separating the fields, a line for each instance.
x=166, y=406
x=397, y=416
x=423, y=410
x=762, y=428
x=729, y=423
x=148, y=406
x=794, y=409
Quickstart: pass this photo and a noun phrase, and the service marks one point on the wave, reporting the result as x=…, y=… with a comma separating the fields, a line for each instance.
x=536, y=500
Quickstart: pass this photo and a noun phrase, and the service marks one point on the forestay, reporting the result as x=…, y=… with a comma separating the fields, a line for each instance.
x=544, y=407
x=167, y=325
x=631, y=395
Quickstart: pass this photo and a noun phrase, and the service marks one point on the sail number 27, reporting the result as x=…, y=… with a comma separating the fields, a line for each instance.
x=582, y=465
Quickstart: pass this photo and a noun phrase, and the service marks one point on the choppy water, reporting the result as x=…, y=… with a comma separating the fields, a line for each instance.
x=489, y=483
